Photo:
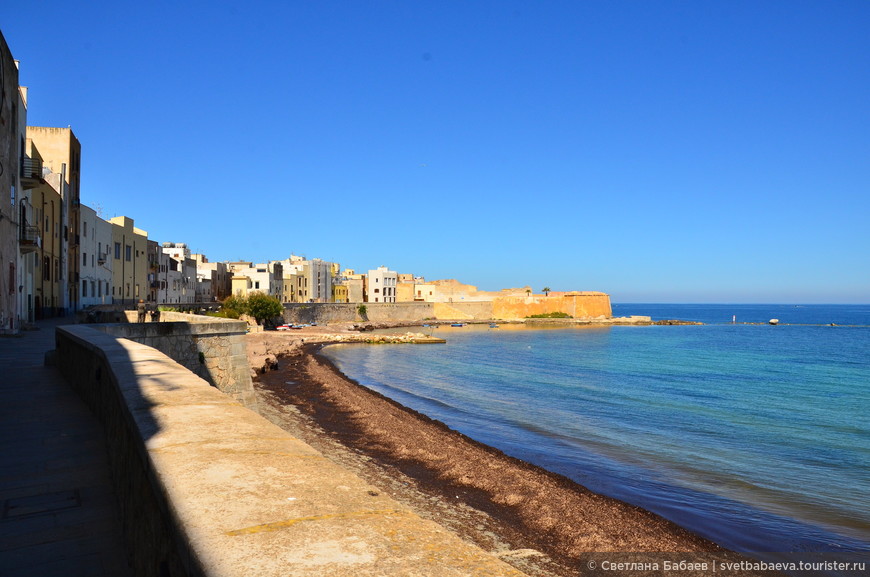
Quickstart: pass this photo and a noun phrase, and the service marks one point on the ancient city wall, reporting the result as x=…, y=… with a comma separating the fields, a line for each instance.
x=384, y=312
x=211, y=348
x=586, y=305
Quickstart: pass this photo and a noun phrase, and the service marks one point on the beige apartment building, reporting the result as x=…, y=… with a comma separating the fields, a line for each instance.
x=130, y=263
x=61, y=153
x=212, y=279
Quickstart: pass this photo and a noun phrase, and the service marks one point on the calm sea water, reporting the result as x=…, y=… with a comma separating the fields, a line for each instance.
x=755, y=436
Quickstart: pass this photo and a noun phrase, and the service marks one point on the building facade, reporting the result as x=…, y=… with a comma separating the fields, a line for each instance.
x=10, y=188
x=130, y=265
x=61, y=153
x=382, y=285
x=95, y=268
x=176, y=275
x=265, y=278
x=213, y=274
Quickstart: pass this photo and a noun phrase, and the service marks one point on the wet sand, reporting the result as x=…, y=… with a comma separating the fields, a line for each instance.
x=539, y=521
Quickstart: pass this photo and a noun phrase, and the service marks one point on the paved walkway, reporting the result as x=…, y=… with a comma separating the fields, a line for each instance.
x=59, y=512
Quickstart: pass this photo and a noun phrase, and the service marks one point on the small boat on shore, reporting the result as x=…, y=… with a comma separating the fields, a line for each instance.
x=457, y=324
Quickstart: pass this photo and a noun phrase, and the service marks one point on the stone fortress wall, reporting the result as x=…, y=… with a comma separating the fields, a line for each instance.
x=579, y=305
x=211, y=348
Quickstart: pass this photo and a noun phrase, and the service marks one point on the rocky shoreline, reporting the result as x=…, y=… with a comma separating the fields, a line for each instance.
x=541, y=522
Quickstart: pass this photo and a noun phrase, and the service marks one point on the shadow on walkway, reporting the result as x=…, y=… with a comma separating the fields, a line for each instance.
x=59, y=511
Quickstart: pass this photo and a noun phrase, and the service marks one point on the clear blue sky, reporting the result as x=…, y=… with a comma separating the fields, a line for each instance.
x=658, y=151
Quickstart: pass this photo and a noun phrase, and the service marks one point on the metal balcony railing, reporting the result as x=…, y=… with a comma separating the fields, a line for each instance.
x=29, y=239
x=31, y=168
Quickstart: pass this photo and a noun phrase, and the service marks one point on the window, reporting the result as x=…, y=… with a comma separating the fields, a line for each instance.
x=46, y=268
x=377, y=291
x=84, y=288
x=128, y=253
x=84, y=259
x=118, y=250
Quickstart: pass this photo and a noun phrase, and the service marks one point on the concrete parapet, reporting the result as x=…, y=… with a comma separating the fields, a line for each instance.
x=210, y=488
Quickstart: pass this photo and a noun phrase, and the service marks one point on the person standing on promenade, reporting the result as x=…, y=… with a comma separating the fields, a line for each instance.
x=155, y=315
x=140, y=309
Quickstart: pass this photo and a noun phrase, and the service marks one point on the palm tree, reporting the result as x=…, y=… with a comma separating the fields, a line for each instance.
x=546, y=290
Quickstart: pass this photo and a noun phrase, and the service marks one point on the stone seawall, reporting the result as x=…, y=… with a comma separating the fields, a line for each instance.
x=210, y=488
x=385, y=312
x=212, y=348
x=585, y=305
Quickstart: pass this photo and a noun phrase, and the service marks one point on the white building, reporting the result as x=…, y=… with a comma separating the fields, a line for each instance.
x=265, y=278
x=382, y=285
x=176, y=274
x=95, y=268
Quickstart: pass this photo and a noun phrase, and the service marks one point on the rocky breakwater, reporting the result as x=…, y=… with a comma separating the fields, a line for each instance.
x=266, y=348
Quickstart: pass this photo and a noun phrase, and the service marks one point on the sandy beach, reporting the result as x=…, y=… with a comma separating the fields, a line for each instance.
x=541, y=522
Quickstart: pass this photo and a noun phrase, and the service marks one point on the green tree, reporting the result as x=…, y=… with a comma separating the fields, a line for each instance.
x=546, y=290
x=262, y=306
x=233, y=306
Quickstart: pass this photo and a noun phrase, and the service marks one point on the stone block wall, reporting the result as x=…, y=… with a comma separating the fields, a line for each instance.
x=385, y=312
x=586, y=305
x=210, y=347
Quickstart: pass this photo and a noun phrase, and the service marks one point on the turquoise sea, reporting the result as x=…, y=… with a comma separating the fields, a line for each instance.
x=754, y=436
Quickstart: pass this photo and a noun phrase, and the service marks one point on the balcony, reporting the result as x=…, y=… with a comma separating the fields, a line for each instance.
x=29, y=239
x=31, y=172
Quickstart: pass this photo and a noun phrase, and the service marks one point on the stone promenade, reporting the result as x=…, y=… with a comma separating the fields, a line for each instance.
x=59, y=512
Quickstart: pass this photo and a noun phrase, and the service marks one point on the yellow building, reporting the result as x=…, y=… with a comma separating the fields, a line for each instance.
x=48, y=283
x=340, y=293
x=130, y=261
